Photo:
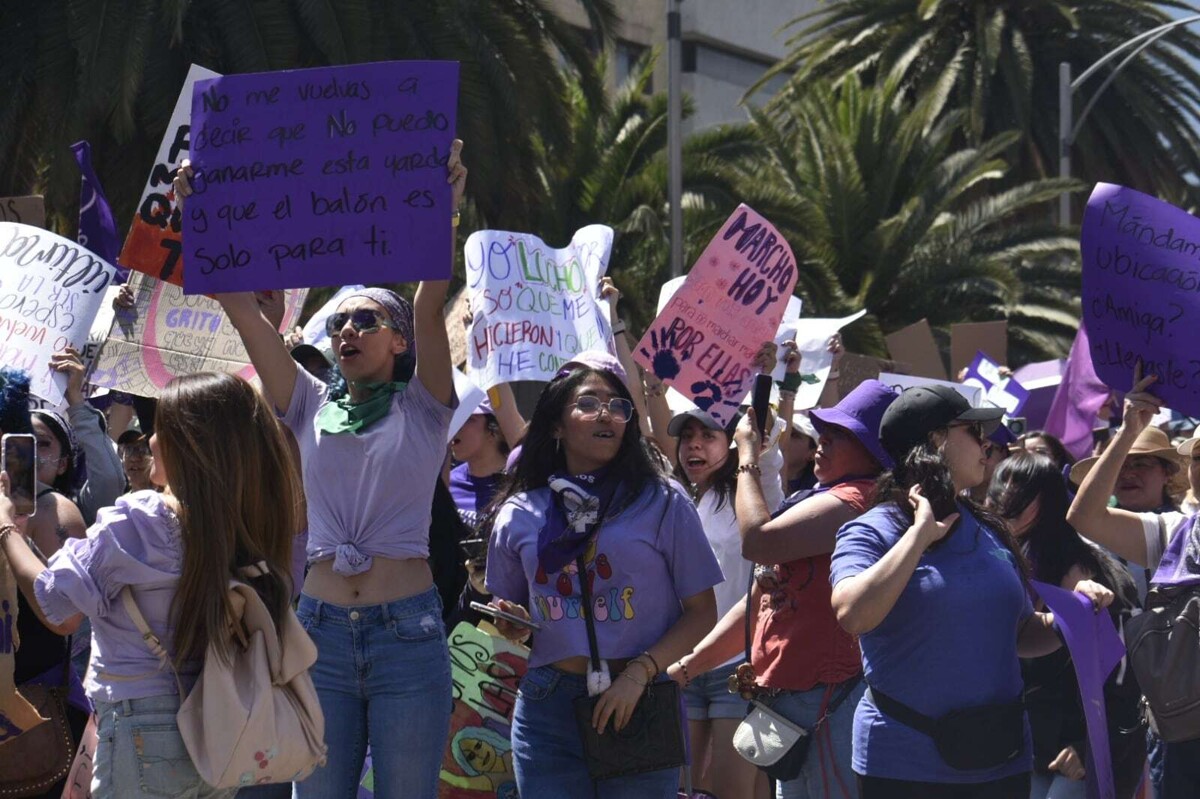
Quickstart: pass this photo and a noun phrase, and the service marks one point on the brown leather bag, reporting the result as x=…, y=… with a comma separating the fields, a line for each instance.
x=1164, y=651
x=42, y=755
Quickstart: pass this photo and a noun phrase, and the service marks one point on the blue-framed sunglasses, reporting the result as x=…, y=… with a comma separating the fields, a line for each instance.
x=364, y=320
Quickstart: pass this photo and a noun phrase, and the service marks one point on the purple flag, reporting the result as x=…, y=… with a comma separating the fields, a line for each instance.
x=1095, y=650
x=1180, y=564
x=97, y=228
x=1079, y=398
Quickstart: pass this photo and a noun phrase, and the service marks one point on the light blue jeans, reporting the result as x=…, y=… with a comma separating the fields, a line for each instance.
x=547, y=752
x=1056, y=786
x=827, y=771
x=140, y=754
x=383, y=676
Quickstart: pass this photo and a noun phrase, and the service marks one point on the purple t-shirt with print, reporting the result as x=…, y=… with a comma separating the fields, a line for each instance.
x=644, y=561
x=472, y=494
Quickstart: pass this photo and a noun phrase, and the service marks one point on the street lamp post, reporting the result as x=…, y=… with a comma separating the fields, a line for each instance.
x=675, y=132
x=1068, y=127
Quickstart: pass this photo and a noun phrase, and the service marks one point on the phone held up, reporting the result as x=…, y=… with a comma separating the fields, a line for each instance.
x=496, y=613
x=18, y=459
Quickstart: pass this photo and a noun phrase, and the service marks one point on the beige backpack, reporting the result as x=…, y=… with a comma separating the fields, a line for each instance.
x=256, y=718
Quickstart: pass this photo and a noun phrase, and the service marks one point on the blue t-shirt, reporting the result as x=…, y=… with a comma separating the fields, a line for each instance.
x=949, y=643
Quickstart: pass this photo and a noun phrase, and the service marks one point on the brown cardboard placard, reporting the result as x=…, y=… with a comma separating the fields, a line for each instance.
x=915, y=345
x=28, y=210
x=855, y=368
x=971, y=337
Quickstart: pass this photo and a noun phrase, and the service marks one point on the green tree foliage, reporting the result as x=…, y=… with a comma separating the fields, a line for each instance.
x=995, y=63
x=111, y=70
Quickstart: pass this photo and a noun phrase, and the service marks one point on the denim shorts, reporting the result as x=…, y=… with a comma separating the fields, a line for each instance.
x=827, y=770
x=708, y=697
x=140, y=753
x=547, y=752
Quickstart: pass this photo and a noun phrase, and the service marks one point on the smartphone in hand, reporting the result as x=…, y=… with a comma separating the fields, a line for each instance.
x=496, y=613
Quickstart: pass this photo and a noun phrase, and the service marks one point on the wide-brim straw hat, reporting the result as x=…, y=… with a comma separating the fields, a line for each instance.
x=1151, y=441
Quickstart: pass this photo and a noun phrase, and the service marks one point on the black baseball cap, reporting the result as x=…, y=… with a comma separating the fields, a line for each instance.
x=675, y=426
x=920, y=410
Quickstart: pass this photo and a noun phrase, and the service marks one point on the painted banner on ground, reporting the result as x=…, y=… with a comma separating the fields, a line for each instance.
x=28, y=210
x=534, y=306
x=732, y=301
x=50, y=291
x=154, y=243
x=816, y=361
x=167, y=333
x=1095, y=649
x=320, y=177
x=1141, y=292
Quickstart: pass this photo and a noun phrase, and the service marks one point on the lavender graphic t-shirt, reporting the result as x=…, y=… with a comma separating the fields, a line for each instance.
x=644, y=561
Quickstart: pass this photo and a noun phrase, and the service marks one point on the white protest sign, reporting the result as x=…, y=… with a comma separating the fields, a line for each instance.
x=535, y=307
x=812, y=338
x=167, y=334
x=469, y=397
x=314, y=329
x=50, y=291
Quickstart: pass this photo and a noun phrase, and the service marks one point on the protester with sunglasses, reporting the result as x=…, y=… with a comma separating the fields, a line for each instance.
x=805, y=667
x=937, y=593
x=1029, y=493
x=133, y=447
x=588, y=487
x=372, y=445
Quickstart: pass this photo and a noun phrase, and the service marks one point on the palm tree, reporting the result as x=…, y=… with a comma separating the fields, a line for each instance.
x=997, y=61
x=887, y=212
x=110, y=72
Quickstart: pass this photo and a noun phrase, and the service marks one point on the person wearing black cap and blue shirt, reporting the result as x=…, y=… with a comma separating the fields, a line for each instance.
x=937, y=592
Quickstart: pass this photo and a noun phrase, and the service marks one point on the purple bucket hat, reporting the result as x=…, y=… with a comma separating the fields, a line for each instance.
x=594, y=359
x=860, y=412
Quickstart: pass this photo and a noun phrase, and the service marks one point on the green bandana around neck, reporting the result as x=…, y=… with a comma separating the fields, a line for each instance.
x=344, y=416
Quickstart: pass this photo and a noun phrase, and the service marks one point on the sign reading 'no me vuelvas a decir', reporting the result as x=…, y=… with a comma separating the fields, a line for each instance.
x=320, y=177
x=1141, y=292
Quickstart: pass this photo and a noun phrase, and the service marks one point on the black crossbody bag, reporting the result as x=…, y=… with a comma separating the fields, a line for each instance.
x=653, y=738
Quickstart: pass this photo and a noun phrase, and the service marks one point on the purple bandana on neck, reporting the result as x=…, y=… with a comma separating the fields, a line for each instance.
x=578, y=504
x=1180, y=564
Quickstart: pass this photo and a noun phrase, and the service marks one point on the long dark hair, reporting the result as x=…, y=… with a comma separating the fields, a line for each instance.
x=724, y=479
x=240, y=501
x=926, y=466
x=1052, y=545
x=541, y=456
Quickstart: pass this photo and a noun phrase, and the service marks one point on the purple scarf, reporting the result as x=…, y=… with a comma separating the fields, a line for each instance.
x=578, y=503
x=1180, y=564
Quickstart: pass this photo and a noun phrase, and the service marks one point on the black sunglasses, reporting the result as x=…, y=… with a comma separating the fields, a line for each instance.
x=974, y=428
x=364, y=320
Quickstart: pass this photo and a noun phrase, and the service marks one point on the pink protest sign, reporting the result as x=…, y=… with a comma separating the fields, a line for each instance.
x=1141, y=292
x=733, y=300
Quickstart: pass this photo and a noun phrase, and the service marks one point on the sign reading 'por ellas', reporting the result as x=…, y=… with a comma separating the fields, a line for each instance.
x=1141, y=292
x=534, y=307
x=705, y=339
x=319, y=177
x=50, y=291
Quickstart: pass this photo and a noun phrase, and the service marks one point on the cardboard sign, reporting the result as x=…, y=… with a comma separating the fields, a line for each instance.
x=535, y=306
x=28, y=210
x=1141, y=278
x=856, y=368
x=915, y=345
x=167, y=334
x=971, y=337
x=50, y=291
x=731, y=302
x=812, y=337
x=154, y=244
x=320, y=177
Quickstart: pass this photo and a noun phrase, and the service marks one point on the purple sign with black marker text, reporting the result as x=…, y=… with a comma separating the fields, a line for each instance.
x=320, y=177
x=1141, y=292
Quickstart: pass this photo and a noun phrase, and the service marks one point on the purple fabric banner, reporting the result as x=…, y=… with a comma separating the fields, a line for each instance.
x=321, y=177
x=1079, y=397
x=97, y=227
x=1095, y=649
x=1141, y=292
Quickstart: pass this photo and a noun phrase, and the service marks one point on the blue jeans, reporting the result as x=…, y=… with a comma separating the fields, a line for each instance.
x=1056, y=786
x=140, y=753
x=827, y=770
x=383, y=676
x=708, y=697
x=547, y=753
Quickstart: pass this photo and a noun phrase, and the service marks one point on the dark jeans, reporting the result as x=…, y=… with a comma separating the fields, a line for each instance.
x=1014, y=787
x=1180, y=770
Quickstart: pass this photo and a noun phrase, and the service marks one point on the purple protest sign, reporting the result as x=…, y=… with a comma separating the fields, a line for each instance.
x=1095, y=650
x=1141, y=292
x=319, y=177
x=1003, y=392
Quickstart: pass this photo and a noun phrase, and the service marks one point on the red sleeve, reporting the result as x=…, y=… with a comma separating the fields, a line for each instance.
x=857, y=493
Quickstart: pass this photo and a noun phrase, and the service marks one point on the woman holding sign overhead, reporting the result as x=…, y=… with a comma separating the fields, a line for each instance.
x=371, y=453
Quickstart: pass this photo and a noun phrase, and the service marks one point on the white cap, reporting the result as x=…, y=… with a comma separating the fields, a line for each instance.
x=801, y=422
